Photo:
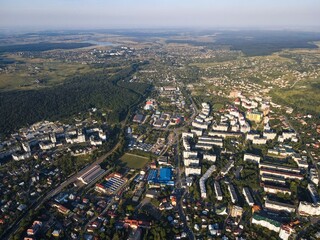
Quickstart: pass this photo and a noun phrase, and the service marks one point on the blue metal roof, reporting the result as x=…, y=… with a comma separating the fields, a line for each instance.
x=152, y=174
x=165, y=174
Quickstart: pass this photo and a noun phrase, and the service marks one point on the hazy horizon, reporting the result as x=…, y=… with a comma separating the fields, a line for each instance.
x=142, y=14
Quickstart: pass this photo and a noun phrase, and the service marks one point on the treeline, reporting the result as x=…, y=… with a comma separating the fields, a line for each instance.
x=42, y=46
x=258, y=43
x=78, y=94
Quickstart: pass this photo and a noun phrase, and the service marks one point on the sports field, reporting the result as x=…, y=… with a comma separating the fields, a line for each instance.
x=134, y=161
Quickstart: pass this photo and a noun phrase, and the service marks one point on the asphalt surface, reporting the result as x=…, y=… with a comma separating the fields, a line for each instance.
x=13, y=228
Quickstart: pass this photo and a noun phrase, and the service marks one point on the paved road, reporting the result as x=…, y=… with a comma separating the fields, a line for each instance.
x=37, y=203
x=13, y=228
x=74, y=177
x=180, y=192
x=180, y=195
x=111, y=202
x=311, y=157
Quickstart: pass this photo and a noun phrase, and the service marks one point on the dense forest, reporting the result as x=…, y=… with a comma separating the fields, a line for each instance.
x=20, y=108
x=42, y=46
x=256, y=43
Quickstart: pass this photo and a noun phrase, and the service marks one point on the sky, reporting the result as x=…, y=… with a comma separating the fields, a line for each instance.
x=107, y=14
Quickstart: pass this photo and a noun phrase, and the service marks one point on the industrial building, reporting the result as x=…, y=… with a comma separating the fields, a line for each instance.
x=111, y=184
x=162, y=176
x=91, y=174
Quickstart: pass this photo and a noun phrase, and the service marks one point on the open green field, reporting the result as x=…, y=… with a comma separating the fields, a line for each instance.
x=134, y=161
x=37, y=73
x=303, y=96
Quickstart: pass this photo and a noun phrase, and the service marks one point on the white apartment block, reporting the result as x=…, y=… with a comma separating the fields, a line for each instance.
x=248, y=157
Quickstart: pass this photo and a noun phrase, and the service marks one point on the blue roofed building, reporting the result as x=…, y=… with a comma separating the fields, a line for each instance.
x=152, y=175
x=165, y=174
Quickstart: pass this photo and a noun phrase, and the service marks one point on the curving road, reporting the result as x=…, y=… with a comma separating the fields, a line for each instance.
x=13, y=228
x=38, y=203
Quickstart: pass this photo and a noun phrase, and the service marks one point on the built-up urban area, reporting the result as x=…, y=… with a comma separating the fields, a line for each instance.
x=211, y=152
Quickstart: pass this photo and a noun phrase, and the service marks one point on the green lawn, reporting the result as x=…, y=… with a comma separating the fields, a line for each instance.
x=134, y=161
x=304, y=96
x=50, y=73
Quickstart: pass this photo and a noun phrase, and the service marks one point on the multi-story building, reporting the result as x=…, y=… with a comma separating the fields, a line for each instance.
x=254, y=116
x=311, y=209
x=251, y=136
x=218, y=191
x=272, y=178
x=236, y=211
x=209, y=157
x=211, y=141
x=276, y=189
x=227, y=167
x=284, y=174
x=21, y=156
x=197, y=132
x=190, y=161
x=285, y=232
x=266, y=222
x=270, y=135
x=233, y=194
x=247, y=195
x=225, y=134
x=186, y=143
x=279, y=167
x=220, y=127
x=251, y=158
x=190, y=154
x=314, y=175
x=192, y=170
x=259, y=140
x=202, y=181
x=313, y=193
x=200, y=125
x=278, y=206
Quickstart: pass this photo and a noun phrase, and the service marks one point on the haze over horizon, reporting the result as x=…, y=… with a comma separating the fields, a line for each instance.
x=94, y=14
